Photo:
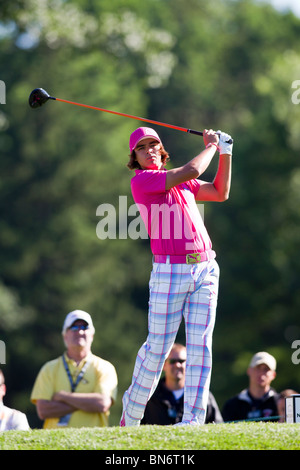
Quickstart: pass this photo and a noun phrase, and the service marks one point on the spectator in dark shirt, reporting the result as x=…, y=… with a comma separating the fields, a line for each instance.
x=165, y=407
x=259, y=400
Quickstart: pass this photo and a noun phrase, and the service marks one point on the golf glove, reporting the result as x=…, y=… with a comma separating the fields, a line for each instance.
x=224, y=145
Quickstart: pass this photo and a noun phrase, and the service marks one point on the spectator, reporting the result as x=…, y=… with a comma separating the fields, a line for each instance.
x=9, y=418
x=281, y=403
x=78, y=388
x=165, y=407
x=259, y=400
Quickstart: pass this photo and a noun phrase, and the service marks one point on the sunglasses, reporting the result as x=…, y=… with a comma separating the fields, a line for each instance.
x=173, y=361
x=79, y=327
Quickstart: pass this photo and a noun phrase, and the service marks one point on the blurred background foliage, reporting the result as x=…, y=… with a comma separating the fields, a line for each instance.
x=224, y=65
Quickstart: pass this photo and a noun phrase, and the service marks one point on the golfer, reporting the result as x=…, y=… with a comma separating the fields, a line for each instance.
x=185, y=275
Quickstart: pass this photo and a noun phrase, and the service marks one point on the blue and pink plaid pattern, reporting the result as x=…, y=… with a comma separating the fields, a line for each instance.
x=177, y=291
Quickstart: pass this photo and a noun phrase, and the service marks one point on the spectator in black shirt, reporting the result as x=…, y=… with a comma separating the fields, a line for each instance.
x=165, y=407
x=259, y=400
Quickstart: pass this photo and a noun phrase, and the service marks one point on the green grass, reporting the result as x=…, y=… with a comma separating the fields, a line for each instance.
x=233, y=436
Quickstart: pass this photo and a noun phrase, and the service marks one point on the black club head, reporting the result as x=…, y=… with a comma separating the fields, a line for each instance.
x=38, y=97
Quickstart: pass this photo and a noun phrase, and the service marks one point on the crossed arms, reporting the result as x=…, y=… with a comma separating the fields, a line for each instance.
x=63, y=403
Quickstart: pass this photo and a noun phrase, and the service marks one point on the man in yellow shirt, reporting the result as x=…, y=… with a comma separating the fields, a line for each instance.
x=78, y=388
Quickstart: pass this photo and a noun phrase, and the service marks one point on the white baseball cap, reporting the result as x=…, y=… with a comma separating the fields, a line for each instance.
x=263, y=358
x=77, y=315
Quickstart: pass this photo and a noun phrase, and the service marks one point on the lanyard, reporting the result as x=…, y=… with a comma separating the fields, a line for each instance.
x=79, y=376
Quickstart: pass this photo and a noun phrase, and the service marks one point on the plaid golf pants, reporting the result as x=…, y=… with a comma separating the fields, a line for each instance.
x=177, y=291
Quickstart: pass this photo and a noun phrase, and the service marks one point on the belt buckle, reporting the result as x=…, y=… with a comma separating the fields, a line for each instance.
x=193, y=258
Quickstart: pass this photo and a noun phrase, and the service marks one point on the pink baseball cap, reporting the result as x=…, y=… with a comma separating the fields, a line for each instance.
x=142, y=133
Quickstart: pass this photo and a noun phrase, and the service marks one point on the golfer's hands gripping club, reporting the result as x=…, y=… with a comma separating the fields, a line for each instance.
x=210, y=137
x=225, y=143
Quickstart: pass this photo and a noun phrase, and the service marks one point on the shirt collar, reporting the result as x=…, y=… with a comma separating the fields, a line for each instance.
x=72, y=363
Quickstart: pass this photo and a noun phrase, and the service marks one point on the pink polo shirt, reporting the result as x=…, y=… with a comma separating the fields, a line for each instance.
x=171, y=217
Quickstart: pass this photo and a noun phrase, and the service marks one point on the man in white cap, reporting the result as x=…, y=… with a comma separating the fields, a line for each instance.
x=78, y=388
x=259, y=400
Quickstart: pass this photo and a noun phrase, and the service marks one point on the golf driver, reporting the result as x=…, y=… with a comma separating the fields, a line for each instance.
x=39, y=96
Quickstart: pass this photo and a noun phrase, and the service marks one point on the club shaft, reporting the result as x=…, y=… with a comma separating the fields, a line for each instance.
x=183, y=129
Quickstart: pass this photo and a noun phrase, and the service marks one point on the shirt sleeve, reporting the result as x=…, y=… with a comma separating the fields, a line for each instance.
x=43, y=388
x=107, y=380
x=194, y=186
x=19, y=421
x=148, y=182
